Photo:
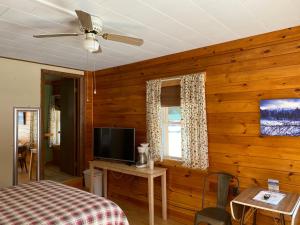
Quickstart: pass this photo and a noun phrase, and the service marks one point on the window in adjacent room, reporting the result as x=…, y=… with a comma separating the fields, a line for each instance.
x=57, y=127
x=54, y=126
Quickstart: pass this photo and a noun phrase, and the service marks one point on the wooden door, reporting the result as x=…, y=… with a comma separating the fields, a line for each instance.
x=68, y=126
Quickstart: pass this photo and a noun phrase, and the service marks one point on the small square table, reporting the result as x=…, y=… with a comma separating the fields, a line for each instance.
x=288, y=206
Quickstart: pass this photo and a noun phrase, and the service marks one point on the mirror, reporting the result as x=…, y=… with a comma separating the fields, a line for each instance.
x=26, y=145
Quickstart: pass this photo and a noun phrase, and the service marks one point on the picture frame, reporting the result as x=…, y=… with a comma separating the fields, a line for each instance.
x=280, y=117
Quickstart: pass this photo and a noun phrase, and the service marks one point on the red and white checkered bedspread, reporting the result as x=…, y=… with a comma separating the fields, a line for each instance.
x=51, y=203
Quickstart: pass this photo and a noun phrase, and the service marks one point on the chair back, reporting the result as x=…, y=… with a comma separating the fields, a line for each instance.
x=222, y=188
x=22, y=151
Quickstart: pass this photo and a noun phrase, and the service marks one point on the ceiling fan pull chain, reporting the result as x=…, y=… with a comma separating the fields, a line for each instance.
x=94, y=79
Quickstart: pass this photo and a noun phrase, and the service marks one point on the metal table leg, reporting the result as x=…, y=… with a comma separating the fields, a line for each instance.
x=282, y=220
x=243, y=216
x=254, y=217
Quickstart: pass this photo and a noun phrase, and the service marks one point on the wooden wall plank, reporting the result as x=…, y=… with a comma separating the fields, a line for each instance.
x=239, y=74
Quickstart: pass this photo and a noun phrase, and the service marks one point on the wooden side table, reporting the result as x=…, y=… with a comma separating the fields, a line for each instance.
x=288, y=206
x=140, y=172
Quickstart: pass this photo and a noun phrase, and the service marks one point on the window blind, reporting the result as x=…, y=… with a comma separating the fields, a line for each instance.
x=170, y=96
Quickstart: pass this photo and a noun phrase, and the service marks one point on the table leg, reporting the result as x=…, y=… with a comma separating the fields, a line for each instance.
x=243, y=215
x=105, y=183
x=92, y=178
x=164, y=196
x=151, y=199
x=254, y=217
x=282, y=220
x=30, y=164
x=295, y=215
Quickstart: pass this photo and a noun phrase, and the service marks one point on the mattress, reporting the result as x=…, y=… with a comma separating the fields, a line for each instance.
x=50, y=203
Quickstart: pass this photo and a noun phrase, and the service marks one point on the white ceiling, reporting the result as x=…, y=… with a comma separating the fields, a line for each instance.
x=167, y=26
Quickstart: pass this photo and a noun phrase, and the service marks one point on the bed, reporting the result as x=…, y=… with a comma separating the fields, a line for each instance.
x=50, y=203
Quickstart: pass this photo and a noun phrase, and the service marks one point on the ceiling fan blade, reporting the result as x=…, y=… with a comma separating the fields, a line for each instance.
x=123, y=39
x=98, y=51
x=55, y=35
x=85, y=20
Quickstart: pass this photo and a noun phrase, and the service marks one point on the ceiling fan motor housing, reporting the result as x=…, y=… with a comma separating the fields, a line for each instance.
x=96, y=24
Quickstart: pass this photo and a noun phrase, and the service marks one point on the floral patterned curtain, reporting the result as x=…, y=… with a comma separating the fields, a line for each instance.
x=33, y=129
x=194, y=125
x=153, y=114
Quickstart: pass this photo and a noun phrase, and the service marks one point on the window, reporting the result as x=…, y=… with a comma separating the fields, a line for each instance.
x=169, y=102
x=22, y=118
x=171, y=131
x=55, y=127
x=57, y=122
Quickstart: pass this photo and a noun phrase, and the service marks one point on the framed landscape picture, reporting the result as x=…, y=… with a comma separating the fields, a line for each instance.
x=280, y=117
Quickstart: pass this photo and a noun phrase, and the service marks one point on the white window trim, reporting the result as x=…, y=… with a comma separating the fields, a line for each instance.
x=165, y=140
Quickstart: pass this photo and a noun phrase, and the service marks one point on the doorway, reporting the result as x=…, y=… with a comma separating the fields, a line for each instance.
x=62, y=153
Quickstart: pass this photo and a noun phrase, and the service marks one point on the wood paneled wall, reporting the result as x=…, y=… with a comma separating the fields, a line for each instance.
x=239, y=74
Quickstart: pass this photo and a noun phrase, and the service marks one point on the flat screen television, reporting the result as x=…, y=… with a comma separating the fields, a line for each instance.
x=114, y=144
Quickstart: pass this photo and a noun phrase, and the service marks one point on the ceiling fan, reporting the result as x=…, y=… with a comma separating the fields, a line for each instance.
x=91, y=26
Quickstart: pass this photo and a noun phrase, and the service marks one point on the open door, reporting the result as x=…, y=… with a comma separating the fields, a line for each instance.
x=68, y=125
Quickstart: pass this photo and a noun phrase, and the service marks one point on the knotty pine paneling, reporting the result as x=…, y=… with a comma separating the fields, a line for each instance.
x=239, y=74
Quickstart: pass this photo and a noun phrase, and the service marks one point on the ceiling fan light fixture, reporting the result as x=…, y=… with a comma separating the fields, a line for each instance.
x=91, y=43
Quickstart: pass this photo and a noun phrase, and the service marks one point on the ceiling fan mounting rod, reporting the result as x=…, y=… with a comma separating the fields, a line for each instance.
x=90, y=32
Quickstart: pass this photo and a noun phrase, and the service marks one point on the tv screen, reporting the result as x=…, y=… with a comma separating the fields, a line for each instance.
x=115, y=144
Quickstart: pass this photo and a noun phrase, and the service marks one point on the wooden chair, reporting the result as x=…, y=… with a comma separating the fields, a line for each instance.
x=217, y=215
x=22, y=153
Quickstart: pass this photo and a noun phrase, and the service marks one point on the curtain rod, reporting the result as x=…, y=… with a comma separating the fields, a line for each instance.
x=168, y=78
x=178, y=77
x=171, y=78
